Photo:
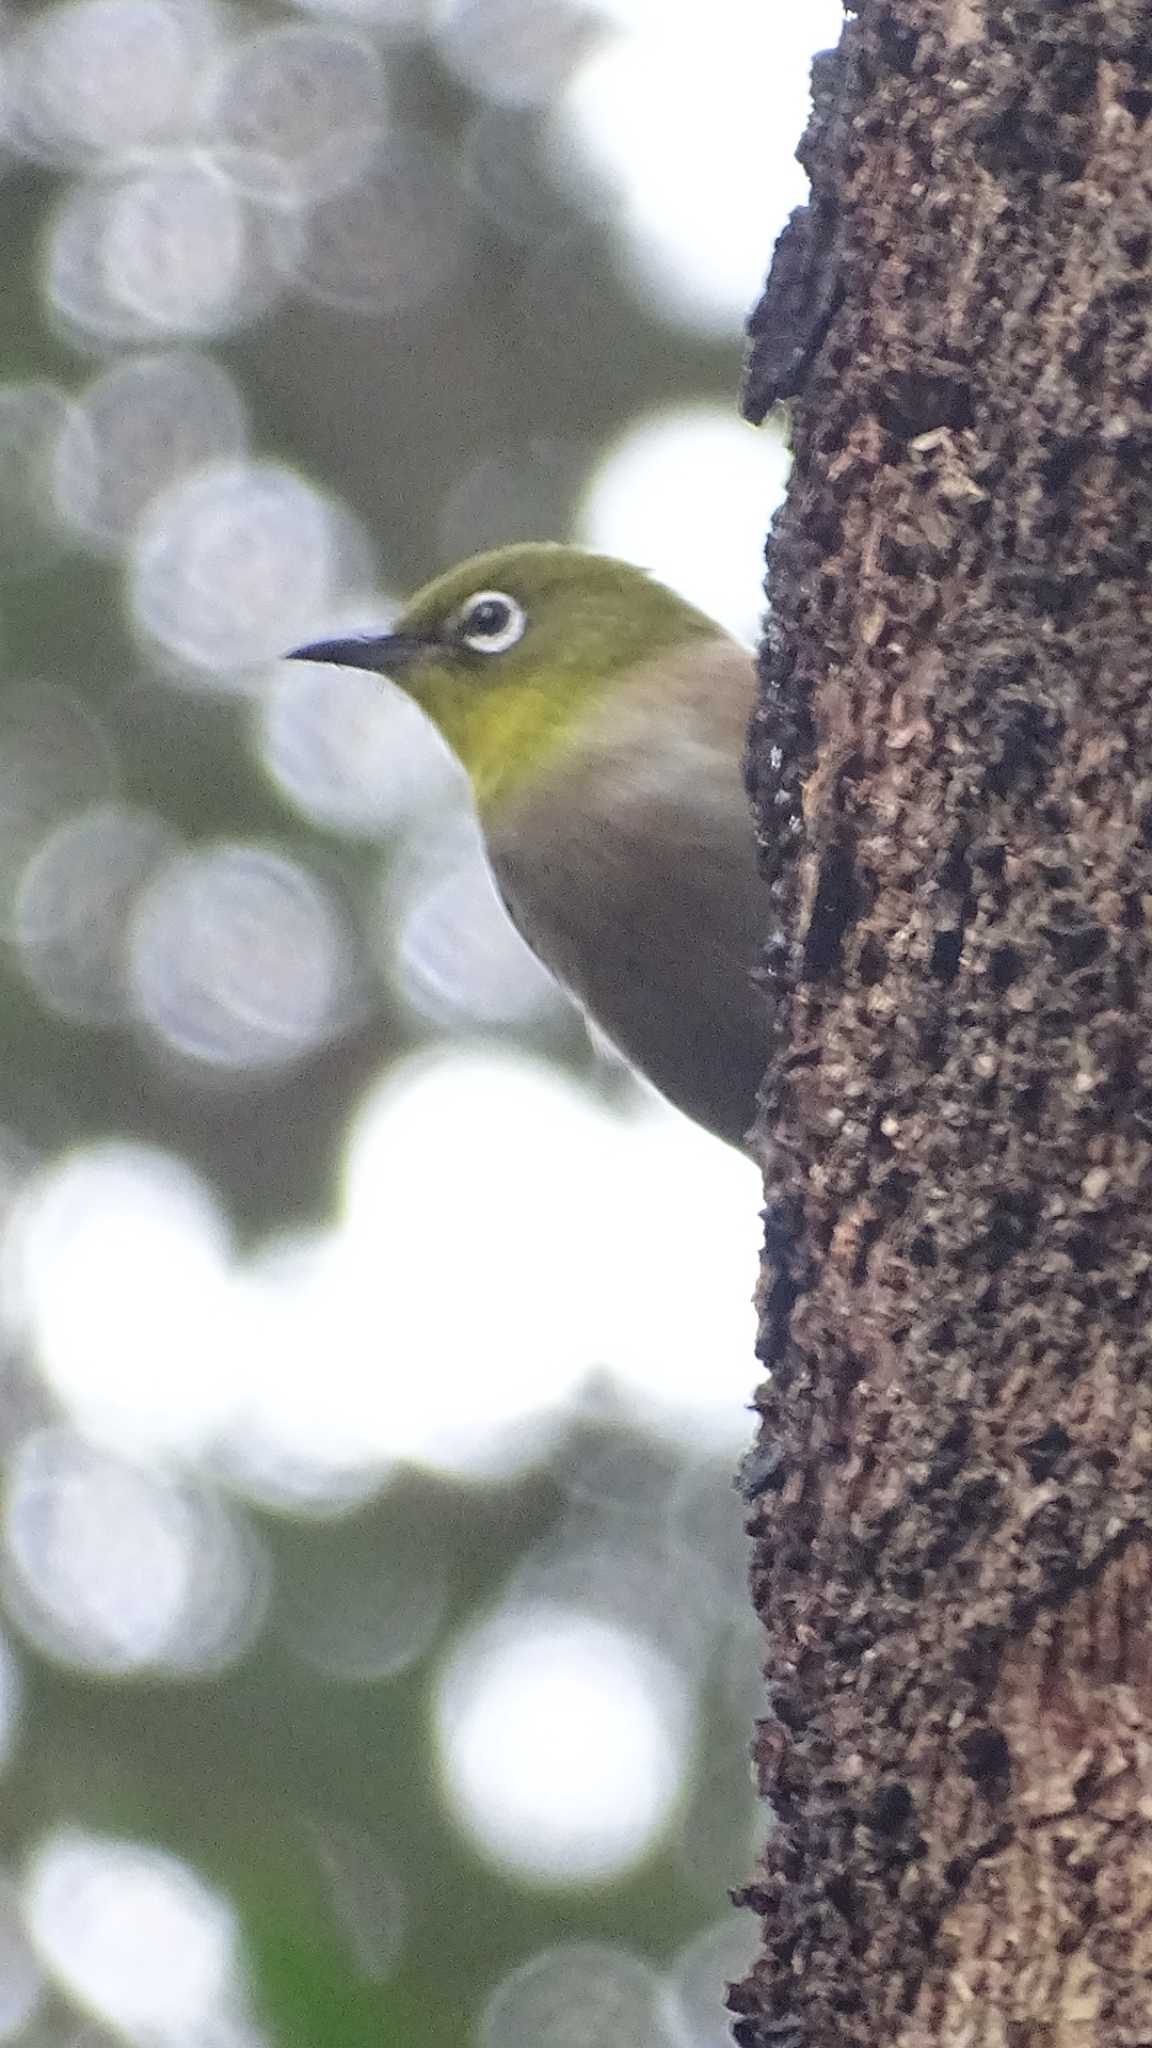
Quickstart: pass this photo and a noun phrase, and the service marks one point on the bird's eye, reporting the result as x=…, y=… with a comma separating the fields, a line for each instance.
x=490, y=623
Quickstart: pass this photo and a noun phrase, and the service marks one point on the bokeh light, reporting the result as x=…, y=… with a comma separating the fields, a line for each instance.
x=708, y=545
x=233, y=563
x=116, y=1569
x=239, y=958
x=56, y=759
x=73, y=903
x=564, y=1744
x=579, y=1995
x=352, y=752
x=517, y=52
x=137, y=427
x=699, y=1976
x=363, y=1627
x=91, y=78
x=116, y=1269
x=169, y=249
x=311, y=99
x=456, y=958
x=32, y=415
x=22, y=1982
x=137, y=1937
x=661, y=1314
x=697, y=155
x=392, y=242
x=300, y=1434
x=374, y=1349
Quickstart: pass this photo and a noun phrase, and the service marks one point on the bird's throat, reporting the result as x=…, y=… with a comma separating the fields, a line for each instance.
x=510, y=739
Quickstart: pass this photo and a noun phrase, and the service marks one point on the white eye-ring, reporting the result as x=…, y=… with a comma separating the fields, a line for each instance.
x=490, y=622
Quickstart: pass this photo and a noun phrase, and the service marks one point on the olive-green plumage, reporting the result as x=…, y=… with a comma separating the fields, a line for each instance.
x=601, y=720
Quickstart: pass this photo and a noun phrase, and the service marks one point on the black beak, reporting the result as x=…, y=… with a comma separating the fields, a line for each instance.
x=388, y=654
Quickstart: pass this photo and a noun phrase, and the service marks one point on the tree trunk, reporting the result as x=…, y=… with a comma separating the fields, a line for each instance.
x=953, y=769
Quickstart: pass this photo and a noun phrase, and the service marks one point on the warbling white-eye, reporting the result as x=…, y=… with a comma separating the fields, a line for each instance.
x=601, y=721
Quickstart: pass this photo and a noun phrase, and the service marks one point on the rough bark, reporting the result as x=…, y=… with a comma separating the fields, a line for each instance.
x=953, y=768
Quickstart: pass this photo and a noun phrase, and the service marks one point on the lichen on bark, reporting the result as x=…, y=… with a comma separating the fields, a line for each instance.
x=952, y=764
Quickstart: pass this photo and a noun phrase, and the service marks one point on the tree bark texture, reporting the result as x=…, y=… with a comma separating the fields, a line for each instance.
x=952, y=764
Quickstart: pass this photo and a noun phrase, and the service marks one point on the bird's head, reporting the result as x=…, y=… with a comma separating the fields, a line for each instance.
x=509, y=653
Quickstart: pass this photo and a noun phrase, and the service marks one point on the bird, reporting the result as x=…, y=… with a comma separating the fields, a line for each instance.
x=601, y=721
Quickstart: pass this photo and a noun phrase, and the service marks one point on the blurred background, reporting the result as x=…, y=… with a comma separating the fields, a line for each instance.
x=375, y=1662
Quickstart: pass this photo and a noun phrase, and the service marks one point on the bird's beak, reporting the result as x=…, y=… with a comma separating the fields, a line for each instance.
x=387, y=654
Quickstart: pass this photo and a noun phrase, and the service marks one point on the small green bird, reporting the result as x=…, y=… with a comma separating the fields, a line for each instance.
x=601, y=721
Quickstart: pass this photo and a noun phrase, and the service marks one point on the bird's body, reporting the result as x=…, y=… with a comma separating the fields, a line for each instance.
x=659, y=940
x=605, y=744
